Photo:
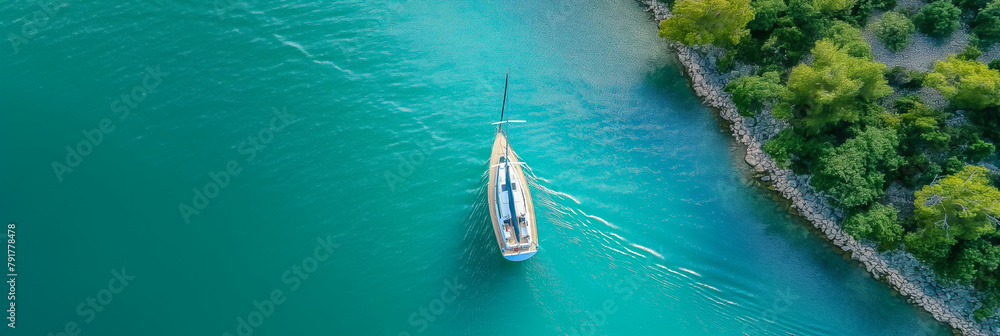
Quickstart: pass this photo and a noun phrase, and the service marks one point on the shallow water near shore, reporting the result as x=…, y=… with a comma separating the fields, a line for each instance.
x=361, y=209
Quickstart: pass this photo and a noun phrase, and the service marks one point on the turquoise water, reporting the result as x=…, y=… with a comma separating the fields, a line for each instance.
x=308, y=168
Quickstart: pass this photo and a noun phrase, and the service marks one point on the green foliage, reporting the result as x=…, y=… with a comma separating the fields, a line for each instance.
x=971, y=4
x=782, y=146
x=953, y=216
x=910, y=79
x=952, y=165
x=894, y=30
x=766, y=14
x=859, y=13
x=979, y=150
x=938, y=19
x=968, y=84
x=974, y=259
x=982, y=313
x=726, y=62
x=793, y=150
x=922, y=125
x=877, y=223
x=970, y=53
x=830, y=90
x=885, y=4
x=995, y=64
x=962, y=205
x=853, y=172
x=830, y=6
x=848, y=38
x=987, y=23
x=751, y=93
x=787, y=45
x=700, y=22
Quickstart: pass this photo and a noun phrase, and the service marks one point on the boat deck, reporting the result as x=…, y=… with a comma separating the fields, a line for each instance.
x=499, y=151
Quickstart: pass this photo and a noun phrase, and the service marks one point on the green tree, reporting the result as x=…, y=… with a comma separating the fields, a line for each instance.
x=766, y=14
x=995, y=64
x=700, y=22
x=974, y=259
x=938, y=19
x=979, y=150
x=849, y=38
x=787, y=45
x=828, y=91
x=853, y=172
x=894, y=29
x=962, y=205
x=830, y=6
x=987, y=22
x=878, y=223
x=751, y=93
x=968, y=84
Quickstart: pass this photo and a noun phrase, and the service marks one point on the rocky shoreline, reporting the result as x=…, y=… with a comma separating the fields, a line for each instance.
x=951, y=304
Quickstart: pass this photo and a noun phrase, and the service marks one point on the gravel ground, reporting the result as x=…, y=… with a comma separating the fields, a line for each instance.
x=923, y=50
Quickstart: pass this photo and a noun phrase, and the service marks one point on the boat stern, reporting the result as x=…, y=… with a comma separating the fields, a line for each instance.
x=520, y=256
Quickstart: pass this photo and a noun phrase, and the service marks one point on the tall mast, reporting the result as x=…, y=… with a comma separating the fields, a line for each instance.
x=508, y=166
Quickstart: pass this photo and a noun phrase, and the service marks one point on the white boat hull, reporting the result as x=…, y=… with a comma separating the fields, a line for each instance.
x=511, y=249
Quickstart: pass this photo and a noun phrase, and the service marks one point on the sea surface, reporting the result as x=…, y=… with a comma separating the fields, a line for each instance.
x=318, y=168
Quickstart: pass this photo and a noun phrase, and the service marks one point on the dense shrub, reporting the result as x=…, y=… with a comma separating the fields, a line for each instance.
x=752, y=93
x=971, y=4
x=894, y=29
x=970, y=53
x=968, y=84
x=938, y=19
x=855, y=172
x=979, y=150
x=877, y=223
x=952, y=215
x=700, y=22
x=995, y=64
x=987, y=23
x=830, y=90
x=901, y=77
x=830, y=6
x=849, y=38
x=766, y=14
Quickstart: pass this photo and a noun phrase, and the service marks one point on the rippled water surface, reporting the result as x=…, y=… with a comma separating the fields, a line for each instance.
x=647, y=224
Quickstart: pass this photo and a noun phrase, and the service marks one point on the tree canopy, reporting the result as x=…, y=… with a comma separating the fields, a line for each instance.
x=828, y=91
x=700, y=22
x=968, y=84
x=894, y=29
x=987, y=22
x=853, y=173
x=963, y=205
x=830, y=6
x=751, y=93
x=960, y=209
x=766, y=14
x=939, y=18
x=849, y=38
x=878, y=223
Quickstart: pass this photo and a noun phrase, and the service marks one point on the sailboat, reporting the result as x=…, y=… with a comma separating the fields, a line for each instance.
x=511, y=210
